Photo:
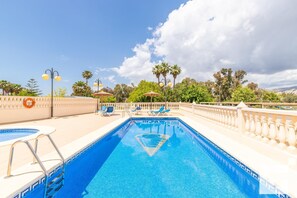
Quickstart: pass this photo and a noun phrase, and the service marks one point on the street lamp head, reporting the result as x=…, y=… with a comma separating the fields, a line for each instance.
x=98, y=85
x=161, y=84
x=45, y=76
x=58, y=78
x=169, y=84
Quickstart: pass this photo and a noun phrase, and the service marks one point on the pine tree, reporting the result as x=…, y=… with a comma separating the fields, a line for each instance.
x=33, y=88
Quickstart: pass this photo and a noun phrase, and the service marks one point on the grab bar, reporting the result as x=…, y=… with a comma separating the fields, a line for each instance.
x=33, y=153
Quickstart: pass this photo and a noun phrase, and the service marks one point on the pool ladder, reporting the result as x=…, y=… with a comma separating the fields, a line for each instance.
x=54, y=182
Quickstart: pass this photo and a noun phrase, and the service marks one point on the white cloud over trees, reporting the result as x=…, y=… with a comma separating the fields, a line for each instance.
x=258, y=36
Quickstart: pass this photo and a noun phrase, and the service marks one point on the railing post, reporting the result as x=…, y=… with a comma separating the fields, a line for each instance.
x=241, y=124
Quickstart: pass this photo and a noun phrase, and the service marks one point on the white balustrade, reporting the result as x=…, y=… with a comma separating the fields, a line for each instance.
x=270, y=126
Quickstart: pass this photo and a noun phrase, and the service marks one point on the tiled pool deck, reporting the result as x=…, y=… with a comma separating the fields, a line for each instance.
x=75, y=132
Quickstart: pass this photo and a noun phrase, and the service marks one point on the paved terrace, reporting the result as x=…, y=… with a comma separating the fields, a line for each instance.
x=277, y=165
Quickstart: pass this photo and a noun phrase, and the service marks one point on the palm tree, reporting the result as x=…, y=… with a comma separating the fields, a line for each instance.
x=80, y=88
x=165, y=68
x=175, y=70
x=157, y=72
x=15, y=89
x=87, y=75
x=5, y=86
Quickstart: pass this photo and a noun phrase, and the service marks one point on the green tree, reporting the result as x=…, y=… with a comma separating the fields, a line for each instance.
x=226, y=83
x=122, y=92
x=175, y=70
x=5, y=86
x=165, y=69
x=16, y=89
x=157, y=72
x=289, y=97
x=33, y=88
x=238, y=78
x=87, y=75
x=80, y=88
x=143, y=87
x=189, y=91
x=243, y=94
x=60, y=92
x=24, y=92
x=270, y=96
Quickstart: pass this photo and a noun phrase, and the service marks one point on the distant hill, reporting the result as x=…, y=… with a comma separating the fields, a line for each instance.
x=292, y=89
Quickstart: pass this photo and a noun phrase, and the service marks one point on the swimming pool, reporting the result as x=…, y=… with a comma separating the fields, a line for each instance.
x=156, y=158
x=15, y=133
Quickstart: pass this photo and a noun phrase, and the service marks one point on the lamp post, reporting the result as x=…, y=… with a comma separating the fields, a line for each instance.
x=163, y=85
x=98, y=84
x=53, y=75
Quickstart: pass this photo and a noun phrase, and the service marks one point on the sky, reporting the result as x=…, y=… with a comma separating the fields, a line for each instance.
x=120, y=41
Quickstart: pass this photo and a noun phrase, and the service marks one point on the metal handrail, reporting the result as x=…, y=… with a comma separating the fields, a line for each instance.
x=33, y=153
x=53, y=143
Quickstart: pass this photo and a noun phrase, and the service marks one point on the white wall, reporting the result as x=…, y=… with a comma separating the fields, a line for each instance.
x=13, y=110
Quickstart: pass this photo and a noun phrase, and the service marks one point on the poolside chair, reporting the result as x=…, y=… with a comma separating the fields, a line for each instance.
x=136, y=111
x=156, y=112
x=103, y=108
x=165, y=111
x=109, y=111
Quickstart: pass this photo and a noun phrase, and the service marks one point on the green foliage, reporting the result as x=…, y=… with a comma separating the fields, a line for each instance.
x=80, y=88
x=60, y=92
x=87, y=75
x=244, y=94
x=157, y=72
x=25, y=92
x=9, y=88
x=289, y=97
x=270, y=96
x=33, y=88
x=122, y=92
x=189, y=90
x=226, y=83
x=175, y=70
x=143, y=87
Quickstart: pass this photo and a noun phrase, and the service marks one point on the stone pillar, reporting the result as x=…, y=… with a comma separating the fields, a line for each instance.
x=241, y=124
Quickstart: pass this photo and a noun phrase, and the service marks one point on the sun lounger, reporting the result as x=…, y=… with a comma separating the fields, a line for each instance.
x=136, y=111
x=103, y=108
x=156, y=112
x=164, y=112
x=109, y=111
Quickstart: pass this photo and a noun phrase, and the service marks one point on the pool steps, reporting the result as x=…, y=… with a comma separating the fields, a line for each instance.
x=52, y=183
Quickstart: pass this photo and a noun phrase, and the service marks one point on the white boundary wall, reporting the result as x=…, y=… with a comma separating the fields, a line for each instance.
x=12, y=109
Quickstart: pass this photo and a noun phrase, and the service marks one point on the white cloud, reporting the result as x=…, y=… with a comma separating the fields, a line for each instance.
x=111, y=79
x=139, y=66
x=280, y=79
x=258, y=36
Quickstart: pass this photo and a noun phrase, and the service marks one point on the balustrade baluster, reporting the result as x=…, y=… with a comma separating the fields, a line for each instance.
x=247, y=123
x=265, y=131
x=253, y=125
x=281, y=135
x=291, y=134
x=258, y=126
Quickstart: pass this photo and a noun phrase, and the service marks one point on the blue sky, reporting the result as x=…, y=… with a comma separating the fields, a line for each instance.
x=120, y=41
x=73, y=36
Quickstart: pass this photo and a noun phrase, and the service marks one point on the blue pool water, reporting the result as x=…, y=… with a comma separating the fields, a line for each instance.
x=156, y=158
x=15, y=133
